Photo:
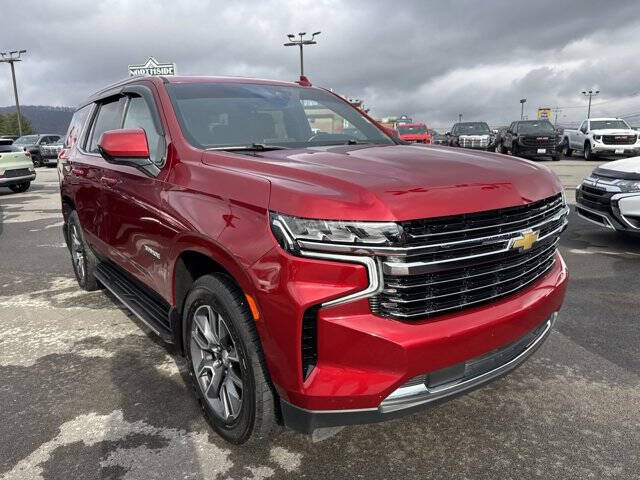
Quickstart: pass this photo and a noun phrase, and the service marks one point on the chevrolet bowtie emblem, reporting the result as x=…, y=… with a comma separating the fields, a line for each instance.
x=526, y=240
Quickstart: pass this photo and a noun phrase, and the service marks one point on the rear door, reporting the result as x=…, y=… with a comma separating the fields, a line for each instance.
x=141, y=233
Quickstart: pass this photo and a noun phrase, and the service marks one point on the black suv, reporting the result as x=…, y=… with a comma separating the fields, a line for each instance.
x=531, y=139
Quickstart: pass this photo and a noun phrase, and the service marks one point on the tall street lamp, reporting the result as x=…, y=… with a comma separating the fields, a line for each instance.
x=522, y=102
x=11, y=58
x=301, y=42
x=590, y=93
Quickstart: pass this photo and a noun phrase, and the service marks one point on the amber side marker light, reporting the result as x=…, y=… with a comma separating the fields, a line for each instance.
x=252, y=306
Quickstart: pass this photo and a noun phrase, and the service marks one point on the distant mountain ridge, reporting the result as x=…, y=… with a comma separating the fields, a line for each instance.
x=44, y=118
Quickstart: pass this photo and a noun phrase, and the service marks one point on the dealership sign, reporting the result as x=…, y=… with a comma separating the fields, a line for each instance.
x=152, y=67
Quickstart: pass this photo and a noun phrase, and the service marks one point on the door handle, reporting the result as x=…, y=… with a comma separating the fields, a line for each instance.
x=108, y=181
x=81, y=172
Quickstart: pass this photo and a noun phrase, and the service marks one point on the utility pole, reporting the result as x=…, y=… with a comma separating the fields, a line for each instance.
x=459, y=117
x=590, y=93
x=522, y=102
x=11, y=58
x=301, y=43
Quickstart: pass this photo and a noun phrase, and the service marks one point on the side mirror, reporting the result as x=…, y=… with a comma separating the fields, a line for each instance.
x=127, y=147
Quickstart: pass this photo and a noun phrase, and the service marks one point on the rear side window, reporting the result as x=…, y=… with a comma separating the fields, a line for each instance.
x=139, y=115
x=109, y=117
x=75, y=126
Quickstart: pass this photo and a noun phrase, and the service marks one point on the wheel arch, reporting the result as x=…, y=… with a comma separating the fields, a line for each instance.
x=193, y=259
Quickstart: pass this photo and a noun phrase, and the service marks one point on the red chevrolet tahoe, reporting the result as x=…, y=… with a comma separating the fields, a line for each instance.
x=312, y=278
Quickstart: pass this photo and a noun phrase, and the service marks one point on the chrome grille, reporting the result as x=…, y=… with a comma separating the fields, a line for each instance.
x=473, y=142
x=453, y=263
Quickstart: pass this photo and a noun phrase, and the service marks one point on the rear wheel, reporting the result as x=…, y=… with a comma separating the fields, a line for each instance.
x=501, y=148
x=82, y=257
x=21, y=187
x=226, y=365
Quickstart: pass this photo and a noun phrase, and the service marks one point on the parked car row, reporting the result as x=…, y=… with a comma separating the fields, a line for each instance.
x=44, y=148
x=530, y=139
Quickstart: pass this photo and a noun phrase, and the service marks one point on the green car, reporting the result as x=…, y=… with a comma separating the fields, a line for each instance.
x=16, y=167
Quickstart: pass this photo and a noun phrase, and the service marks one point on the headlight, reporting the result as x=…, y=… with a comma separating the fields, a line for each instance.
x=628, y=185
x=597, y=137
x=290, y=230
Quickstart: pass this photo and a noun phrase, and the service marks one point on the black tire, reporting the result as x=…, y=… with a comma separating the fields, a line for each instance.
x=21, y=187
x=256, y=419
x=515, y=150
x=83, y=259
x=501, y=149
x=566, y=150
x=37, y=161
x=588, y=155
x=555, y=158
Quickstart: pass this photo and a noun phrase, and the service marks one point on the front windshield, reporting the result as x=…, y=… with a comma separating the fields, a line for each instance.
x=536, y=127
x=411, y=129
x=473, y=128
x=26, y=140
x=219, y=115
x=604, y=124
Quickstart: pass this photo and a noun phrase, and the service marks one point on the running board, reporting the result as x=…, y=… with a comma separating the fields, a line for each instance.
x=148, y=307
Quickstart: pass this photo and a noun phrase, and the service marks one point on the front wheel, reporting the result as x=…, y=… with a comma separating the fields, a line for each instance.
x=555, y=158
x=588, y=154
x=515, y=151
x=37, y=161
x=21, y=187
x=226, y=365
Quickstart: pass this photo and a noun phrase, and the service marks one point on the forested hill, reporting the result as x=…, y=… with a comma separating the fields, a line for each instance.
x=45, y=119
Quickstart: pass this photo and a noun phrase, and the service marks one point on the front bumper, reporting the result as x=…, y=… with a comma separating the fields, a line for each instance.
x=610, y=209
x=427, y=389
x=7, y=182
x=363, y=360
x=600, y=148
x=545, y=151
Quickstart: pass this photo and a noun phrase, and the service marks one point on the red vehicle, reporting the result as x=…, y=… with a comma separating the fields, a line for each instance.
x=312, y=278
x=414, y=132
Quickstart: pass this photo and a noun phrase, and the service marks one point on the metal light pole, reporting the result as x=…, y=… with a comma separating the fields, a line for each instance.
x=11, y=58
x=301, y=43
x=459, y=117
x=522, y=102
x=590, y=93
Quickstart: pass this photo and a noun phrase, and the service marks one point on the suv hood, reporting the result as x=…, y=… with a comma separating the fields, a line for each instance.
x=614, y=131
x=626, y=165
x=394, y=182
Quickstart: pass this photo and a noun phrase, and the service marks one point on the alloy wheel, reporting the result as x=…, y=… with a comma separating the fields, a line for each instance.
x=77, y=252
x=216, y=363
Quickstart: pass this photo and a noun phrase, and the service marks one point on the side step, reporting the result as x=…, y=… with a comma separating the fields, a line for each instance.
x=148, y=307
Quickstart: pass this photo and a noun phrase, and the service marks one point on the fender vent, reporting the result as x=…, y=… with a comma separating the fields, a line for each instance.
x=309, y=341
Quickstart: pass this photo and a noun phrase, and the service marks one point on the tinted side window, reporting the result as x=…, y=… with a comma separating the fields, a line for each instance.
x=75, y=126
x=139, y=116
x=109, y=117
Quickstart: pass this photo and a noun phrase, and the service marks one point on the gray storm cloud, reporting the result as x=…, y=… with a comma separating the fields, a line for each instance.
x=431, y=60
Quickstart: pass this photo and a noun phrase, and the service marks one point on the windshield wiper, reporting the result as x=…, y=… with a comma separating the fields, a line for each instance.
x=254, y=147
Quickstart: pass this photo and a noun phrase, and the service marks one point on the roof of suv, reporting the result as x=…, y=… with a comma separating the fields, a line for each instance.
x=185, y=79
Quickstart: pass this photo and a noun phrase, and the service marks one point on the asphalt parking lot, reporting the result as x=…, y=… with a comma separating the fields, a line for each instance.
x=87, y=392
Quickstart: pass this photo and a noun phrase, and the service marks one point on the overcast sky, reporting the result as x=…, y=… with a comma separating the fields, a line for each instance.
x=431, y=60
